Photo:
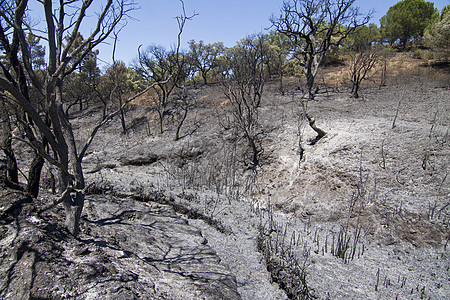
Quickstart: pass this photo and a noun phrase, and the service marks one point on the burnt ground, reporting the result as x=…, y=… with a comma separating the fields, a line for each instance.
x=363, y=215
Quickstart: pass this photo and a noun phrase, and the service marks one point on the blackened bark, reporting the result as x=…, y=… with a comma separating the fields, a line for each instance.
x=310, y=84
x=122, y=121
x=73, y=206
x=180, y=124
x=255, y=152
x=6, y=145
x=355, y=90
x=34, y=175
x=122, y=118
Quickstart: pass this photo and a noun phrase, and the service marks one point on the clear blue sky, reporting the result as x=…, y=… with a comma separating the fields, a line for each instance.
x=227, y=21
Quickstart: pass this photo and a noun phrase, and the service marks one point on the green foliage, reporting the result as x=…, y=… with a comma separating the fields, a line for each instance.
x=279, y=47
x=204, y=57
x=121, y=80
x=363, y=38
x=419, y=53
x=332, y=56
x=80, y=85
x=445, y=11
x=423, y=54
x=293, y=68
x=437, y=35
x=407, y=20
x=247, y=59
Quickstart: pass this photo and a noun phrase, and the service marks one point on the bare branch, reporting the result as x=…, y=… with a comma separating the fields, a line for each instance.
x=111, y=115
x=313, y=26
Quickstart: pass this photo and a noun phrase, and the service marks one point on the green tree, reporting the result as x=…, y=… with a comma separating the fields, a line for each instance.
x=120, y=82
x=203, y=57
x=278, y=51
x=407, y=20
x=437, y=35
x=363, y=38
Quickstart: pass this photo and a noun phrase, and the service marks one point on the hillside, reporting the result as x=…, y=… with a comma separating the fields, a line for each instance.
x=363, y=214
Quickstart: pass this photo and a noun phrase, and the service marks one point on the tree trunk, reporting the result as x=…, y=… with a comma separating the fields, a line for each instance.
x=104, y=110
x=255, y=152
x=122, y=116
x=180, y=124
x=161, y=120
x=34, y=175
x=73, y=206
x=309, y=86
x=355, y=90
x=69, y=161
x=6, y=145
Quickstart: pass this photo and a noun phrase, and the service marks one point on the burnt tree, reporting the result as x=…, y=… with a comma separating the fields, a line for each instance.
x=63, y=21
x=313, y=26
x=243, y=86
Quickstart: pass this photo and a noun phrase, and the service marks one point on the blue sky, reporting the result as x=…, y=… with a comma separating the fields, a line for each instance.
x=217, y=20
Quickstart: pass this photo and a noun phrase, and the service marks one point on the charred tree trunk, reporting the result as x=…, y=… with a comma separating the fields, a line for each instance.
x=122, y=116
x=310, y=84
x=6, y=145
x=180, y=124
x=69, y=160
x=255, y=153
x=73, y=206
x=355, y=90
x=104, y=111
x=161, y=121
x=34, y=175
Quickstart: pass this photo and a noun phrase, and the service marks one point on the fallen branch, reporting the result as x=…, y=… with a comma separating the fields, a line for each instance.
x=320, y=132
